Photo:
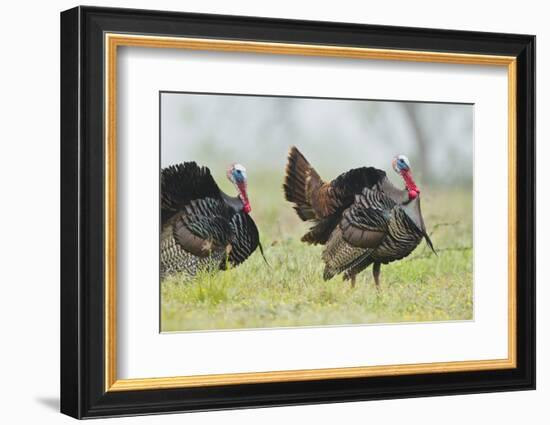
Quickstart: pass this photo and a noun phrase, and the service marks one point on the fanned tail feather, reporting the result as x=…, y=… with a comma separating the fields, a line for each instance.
x=298, y=176
x=183, y=183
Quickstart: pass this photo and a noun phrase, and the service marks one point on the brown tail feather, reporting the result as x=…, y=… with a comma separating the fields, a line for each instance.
x=320, y=232
x=300, y=180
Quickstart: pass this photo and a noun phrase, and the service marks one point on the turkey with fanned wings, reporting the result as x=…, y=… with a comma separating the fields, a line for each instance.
x=360, y=216
x=202, y=227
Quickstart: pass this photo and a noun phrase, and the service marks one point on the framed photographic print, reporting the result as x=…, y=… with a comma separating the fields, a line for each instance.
x=261, y=212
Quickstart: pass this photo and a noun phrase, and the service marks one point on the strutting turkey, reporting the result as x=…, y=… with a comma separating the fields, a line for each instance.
x=202, y=227
x=360, y=216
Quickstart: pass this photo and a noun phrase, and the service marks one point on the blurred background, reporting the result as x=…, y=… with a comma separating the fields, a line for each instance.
x=335, y=136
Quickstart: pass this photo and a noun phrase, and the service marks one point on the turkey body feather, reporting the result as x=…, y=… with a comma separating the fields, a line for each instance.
x=202, y=227
x=360, y=216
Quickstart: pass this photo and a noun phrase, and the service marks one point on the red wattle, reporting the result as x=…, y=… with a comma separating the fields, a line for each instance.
x=244, y=198
x=411, y=185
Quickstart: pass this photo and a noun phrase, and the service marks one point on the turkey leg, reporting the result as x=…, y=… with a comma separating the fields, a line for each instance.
x=376, y=274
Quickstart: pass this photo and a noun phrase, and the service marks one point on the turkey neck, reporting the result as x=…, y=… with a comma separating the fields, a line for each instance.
x=244, y=197
x=240, y=202
x=410, y=184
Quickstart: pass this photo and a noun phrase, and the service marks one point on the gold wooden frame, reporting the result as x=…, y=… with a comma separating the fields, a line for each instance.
x=113, y=41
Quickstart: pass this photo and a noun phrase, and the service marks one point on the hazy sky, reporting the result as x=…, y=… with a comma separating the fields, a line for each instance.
x=335, y=135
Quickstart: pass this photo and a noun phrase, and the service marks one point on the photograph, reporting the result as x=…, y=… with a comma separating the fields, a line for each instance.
x=281, y=212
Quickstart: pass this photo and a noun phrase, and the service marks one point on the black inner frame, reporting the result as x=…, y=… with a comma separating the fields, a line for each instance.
x=82, y=212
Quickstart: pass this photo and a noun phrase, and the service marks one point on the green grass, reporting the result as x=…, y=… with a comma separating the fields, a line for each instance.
x=422, y=287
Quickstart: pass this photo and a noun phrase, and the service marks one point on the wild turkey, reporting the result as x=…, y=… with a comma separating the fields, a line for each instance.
x=202, y=227
x=360, y=216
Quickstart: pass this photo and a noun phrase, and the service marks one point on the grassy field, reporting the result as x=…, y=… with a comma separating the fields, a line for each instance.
x=291, y=292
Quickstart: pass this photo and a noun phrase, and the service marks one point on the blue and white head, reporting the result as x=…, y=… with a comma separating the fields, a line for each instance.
x=401, y=163
x=236, y=174
x=402, y=166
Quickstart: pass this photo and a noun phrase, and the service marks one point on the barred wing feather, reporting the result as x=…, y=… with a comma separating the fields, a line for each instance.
x=244, y=239
x=203, y=226
x=365, y=223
